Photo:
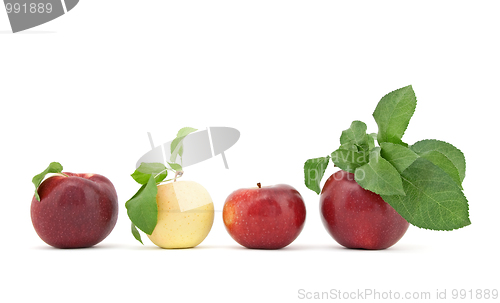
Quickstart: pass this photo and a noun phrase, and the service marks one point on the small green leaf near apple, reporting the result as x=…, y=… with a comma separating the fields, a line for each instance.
x=53, y=168
x=422, y=182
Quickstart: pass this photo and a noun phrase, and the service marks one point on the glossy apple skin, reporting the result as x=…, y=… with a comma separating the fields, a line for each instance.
x=270, y=217
x=356, y=217
x=75, y=211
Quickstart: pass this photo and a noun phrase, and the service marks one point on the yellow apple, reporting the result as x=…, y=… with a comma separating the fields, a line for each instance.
x=185, y=215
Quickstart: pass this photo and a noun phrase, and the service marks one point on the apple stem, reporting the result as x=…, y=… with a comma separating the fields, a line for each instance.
x=258, y=184
x=178, y=174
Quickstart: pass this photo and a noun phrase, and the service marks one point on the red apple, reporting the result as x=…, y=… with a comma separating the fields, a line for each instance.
x=76, y=210
x=269, y=217
x=356, y=217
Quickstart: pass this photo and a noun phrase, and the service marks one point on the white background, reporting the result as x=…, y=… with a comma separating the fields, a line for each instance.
x=86, y=88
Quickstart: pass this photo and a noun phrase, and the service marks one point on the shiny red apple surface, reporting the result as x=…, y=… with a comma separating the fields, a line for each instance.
x=74, y=211
x=269, y=217
x=356, y=217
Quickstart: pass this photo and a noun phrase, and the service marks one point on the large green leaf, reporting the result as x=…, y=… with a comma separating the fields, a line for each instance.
x=439, y=159
x=142, y=208
x=398, y=155
x=433, y=200
x=448, y=150
x=379, y=176
x=393, y=113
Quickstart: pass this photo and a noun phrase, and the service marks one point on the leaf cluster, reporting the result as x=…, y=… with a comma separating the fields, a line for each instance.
x=422, y=182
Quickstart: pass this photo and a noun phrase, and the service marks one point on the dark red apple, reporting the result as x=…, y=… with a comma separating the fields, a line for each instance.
x=356, y=217
x=269, y=217
x=76, y=210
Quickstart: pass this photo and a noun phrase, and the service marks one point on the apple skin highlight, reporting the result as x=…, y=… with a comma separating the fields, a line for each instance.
x=356, y=217
x=75, y=211
x=270, y=217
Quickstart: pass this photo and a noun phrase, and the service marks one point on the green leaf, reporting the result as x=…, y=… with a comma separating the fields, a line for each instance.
x=370, y=138
x=176, y=147
x=54, y=167
x=398, y=155
x=356, y=133
x=433, y=200
x=175, y=166
x=379, y=176
x=314, y=170
x=181, y=150
x=349, y=146
x=448, y=150
x=142, y=208
x=185, y=131
x=349, y=160
x=444, y=163
x=393, y=113
x=136, y=233
x=356, y=136
x=145, y=170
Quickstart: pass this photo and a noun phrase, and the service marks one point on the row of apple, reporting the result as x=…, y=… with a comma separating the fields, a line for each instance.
x=368, y=204
x=80, y=210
